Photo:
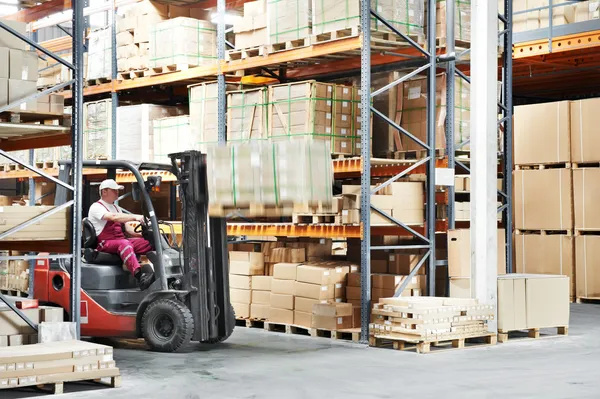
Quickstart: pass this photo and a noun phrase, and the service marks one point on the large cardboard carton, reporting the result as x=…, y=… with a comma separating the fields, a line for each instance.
x=331, y=323
x=302, y=318
x=261, y=297
x=240, y=282
x=9, y=40
x=247, y=114
x=335, y=309
x=241, y=310
x=535, y=209
x=285, y=271
x=585, y=143
x=586, y=189
x=282, y=286
x=460, y=287
x=393, y=282
x=23, y=65
x=182, y=41
x=288, y=20
x=314, y=275
x=532, y=301
x=353, y=293
x=306, y=304
x=20, y=89
x=546, y=254
x=542, y=133
x=404, y=263
x=284, y=316
x=258, y=311
x=353, y=280
x=320, y=292
x=587, y=266
x=261, y=283
x=282, y=301
x=240, y=296
x=246, y=263
x=459, y=252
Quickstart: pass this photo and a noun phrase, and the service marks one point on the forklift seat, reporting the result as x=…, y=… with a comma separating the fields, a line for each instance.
x=89, y=245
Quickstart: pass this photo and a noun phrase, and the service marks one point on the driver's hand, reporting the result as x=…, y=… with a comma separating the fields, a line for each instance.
x=139, y=218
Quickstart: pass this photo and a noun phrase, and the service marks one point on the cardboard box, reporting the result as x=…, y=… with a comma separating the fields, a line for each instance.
x=546, y=254
x=241, y=310
x=261, y=283
x=331, y=323
x=542, y=133
x=9, y=40
x=587, y=266
x=20, y=89
x=246, y=263
x=240, y=282
x=51, y=314
x=353, y=293
x=285, y=271
x=306, y=304
x=586, y=189
x=23, y=65
x=403, y=263
x=353, y=280
x=379, y=266
x=261, y=297
x=314, y=274
x=532, y=301
x=258, y=311
x=282, y=286
x=282, y=301
x=459, y=253
x=303, y=319
x=356, y=316
x=460, y=287
x=284, y=316
x=315, y=291
x=585, y=143
x=240, y=296
x=335, y=309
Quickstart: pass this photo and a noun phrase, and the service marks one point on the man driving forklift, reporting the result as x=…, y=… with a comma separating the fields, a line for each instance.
x=115, y=236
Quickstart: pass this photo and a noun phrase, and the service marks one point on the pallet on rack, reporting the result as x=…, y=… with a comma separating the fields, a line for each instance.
x=289, y=45
x=46, y=164
x=548, y=165
x=252, y=210
x=420, y=154
x=139, y=73
x=432, y=346
x=316, y=218
x=54, y=383
x=98, y=81
x=504, y=336
x=11, y=292
x=568, y=233
x=244, y=53
x=11, y=167
x=19, y=116
x=250, y=322
x=459, y=44
x=171, y=68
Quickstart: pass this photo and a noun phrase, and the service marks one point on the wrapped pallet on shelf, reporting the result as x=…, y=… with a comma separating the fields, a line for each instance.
x=99, y=55
x=462, y=22
x=97, y=130
x=53, y=227
x=251, y=29
x=247, y=115
x=332, y=16
x=182, y=42
x=289, y=23
x=171, y=135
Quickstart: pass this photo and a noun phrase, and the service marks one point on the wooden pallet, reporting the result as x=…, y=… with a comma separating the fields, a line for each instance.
x=504, y=336
x=242, y=54
x=16, y=293
x=112, y=377
x=141, y=73
x=582, y=299
x=335, y=35
x=34, y=117
x=351, y=334
x=595, y=164
x=251, y=210
x=420, y=154
x=46, y=164
x=98, y=81
x=567, y=233
x=250, y=323
x=289, y=45
x=11, y=167
x=171, y=68
x=587, y=232
x=317, y=218
x=423, y=346
x=542, y=166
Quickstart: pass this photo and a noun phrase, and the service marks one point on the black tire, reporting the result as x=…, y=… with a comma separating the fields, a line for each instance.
x=167, y=325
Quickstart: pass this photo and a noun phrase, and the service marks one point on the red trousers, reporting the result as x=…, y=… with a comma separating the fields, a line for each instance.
x=112, y=240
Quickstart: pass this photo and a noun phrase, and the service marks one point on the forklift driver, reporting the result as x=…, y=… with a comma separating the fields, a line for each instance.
x=115, y=236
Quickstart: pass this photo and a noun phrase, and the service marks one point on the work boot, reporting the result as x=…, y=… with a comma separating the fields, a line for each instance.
x=144, y=280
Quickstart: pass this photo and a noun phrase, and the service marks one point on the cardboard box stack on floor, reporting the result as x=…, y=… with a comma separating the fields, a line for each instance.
x=282, y=293
x=402, y=318
x=544, y=145
x=262, y=174
x=55, y=362
x=18, y=69
x=251, y=29
x=402, y=200
x=459, y=260
x=14, y=331
x=242, y=267
x=261, y=297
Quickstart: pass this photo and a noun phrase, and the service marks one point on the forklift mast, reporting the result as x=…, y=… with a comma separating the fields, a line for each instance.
x=205, y=257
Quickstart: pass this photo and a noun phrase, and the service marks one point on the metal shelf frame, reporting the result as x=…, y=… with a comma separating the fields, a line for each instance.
x=76, y=156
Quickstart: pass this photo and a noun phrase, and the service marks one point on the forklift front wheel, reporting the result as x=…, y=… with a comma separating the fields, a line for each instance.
x=167, y=325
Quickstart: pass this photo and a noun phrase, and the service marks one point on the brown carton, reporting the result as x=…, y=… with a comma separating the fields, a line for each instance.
x=285, y=271
x=258, y=311
x=379, y=266
x=546, y=254
x=241, y=282
x=314, y=274
x=585, y=143
x=403, y=263
x=261, y=283
x=534, y=208
x=240, y=296
x=332, y=309
x=393, y=282
x=246, y=263
x=331, y=323
x=353, y=280
x=587, y=266
x=459, y=252
x=261, y=297
x=356, y=319
x=303, y=319
x=241, y=310
x=353, y=293
x=315, y=291
x=282, y=286
x=586, y=189
x=282, y=301
x=284, y=316
x=460, y=287
x=511, y=304
x=378, y=293
x=542, y=133
x=306, y=304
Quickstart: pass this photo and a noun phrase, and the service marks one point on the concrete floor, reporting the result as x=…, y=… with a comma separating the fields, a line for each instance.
x=257, y=364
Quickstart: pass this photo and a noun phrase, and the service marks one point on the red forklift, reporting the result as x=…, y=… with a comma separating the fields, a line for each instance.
x=189, y=299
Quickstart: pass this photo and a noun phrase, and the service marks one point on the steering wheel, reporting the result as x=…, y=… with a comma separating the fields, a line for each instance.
x=142, y=226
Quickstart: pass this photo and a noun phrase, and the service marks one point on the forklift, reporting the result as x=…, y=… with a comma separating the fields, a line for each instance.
x=189, y=299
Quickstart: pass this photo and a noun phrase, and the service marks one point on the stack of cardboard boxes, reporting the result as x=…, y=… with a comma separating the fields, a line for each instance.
x=18, y=70
x=14, y=331
x=462, y=21
x=14, y=275
x=282, y=293
x=242, y=267
x=561, y=14
x=251, y=29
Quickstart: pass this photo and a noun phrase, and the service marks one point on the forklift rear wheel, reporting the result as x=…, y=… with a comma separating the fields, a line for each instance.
x=167, y=325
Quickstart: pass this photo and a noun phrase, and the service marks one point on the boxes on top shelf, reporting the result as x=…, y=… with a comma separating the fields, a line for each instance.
x=183, y=41
x=97, y=130
x=289, y=20
x=99, y=54
x=9, y=40
x=251, y=29
x=462, y=21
